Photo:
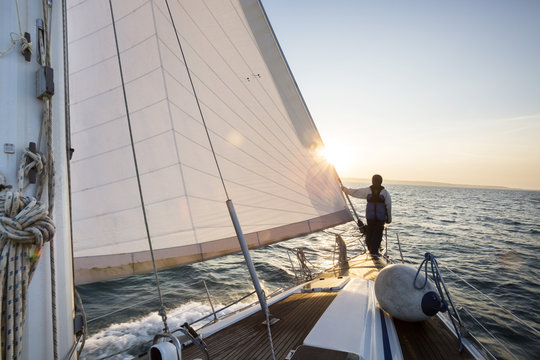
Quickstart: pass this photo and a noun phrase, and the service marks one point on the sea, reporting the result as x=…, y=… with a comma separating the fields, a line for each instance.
x=486, y=242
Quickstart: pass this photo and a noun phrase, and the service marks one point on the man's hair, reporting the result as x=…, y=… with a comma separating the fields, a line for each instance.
x=376, y=180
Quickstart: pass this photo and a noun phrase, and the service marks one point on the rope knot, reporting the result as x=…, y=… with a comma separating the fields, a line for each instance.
x=24, y=220
x=26, y=45
x=30, y=160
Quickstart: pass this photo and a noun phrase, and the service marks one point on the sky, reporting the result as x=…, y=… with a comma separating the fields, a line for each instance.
x=444, y=91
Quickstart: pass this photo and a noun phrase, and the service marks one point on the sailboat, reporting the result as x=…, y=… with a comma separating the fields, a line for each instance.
x=167, y=133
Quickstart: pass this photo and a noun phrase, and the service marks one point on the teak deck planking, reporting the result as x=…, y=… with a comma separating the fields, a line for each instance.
x=297, y=315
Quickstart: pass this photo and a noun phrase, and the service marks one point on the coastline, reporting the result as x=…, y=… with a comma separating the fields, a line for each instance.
x=437, y=184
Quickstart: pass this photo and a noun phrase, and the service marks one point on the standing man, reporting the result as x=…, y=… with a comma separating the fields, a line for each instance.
x=378, y=211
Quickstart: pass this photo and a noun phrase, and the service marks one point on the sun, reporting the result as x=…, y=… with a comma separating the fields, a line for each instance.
x=336, y=154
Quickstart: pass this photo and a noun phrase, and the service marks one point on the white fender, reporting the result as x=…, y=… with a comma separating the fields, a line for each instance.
x=164, y=351
x=397, y=295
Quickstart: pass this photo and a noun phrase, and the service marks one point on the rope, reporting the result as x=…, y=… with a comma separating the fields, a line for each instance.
x=24, y=227
x=49, y=173
x=80, y=305
x=25, y=44
x=437, y=278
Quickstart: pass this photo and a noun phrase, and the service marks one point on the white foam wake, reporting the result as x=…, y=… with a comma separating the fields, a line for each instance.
x=112, y=342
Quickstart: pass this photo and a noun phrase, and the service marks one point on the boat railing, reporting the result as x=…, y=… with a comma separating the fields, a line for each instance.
x=305, y=270
x=216, y=314
x=468, y=318
x=385, y=252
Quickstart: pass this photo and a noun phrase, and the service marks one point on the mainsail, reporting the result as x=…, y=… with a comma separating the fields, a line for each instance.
x=240, y=94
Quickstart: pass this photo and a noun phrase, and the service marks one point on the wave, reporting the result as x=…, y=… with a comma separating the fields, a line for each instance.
x=136, y=335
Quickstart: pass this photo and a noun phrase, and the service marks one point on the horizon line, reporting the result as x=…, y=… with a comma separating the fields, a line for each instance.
x=438, y=183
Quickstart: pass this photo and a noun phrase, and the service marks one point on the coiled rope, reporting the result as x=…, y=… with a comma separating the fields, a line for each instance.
x=439, y=283
x=25, y=226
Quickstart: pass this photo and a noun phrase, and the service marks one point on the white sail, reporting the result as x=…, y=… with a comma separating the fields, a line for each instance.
x=262, y=134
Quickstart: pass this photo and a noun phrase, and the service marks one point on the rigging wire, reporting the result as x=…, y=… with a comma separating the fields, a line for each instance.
x=437, y=278
x=162, y=311
x=188, y=71
x=490, y=334
x=245, y=251
x=522, y=322
x=359, y=222
x=225, y=83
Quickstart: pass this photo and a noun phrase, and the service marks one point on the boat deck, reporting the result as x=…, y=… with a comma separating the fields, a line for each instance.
x=248, y=338
x=429, y=339
x=298, y=313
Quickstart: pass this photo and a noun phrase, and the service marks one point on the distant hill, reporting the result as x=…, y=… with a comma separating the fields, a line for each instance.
x=431, y=183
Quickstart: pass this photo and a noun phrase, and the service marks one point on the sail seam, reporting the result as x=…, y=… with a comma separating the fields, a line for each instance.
x=289, y=72
x=247, y=206
x=117, y=87
x=116, y=118
x=209, y=199
x=223, y=82
x=263, y=138
x=107, y=25
x=247, y=108
x=177, y=151
x=75, y=72
x=196, y=98
x=121, y=147
x=255, y=98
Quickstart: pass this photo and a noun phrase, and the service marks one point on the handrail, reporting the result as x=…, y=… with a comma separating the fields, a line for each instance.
x=126, y=308
x=399, y=246
x=223, y=308
x=210, y=301
x=176, y=330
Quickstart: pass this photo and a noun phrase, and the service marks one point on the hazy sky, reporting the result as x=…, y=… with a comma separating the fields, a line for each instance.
x=443, y=91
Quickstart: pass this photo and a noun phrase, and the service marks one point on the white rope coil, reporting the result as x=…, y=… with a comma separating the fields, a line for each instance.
x=24, y=227
x=24, y=220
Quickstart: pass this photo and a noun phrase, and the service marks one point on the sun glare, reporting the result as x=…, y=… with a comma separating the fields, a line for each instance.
x=337, y=155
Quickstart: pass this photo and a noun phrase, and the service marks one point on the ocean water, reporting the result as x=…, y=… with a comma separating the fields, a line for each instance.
x=485, y=238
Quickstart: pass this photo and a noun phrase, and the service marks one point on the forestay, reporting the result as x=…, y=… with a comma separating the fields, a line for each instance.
x=263, y=136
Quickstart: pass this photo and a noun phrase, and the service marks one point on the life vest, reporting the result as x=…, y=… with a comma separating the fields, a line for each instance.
x=376, y=208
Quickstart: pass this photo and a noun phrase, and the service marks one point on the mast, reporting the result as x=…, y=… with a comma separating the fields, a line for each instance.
x=20, y=122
